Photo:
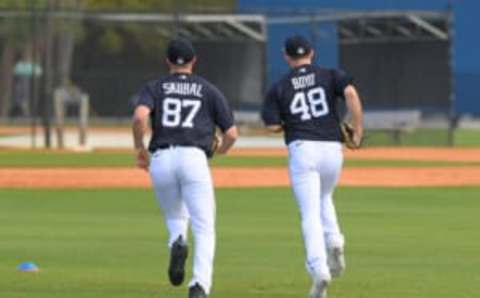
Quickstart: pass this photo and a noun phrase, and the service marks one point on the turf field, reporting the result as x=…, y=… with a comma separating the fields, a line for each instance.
x=467, y=137
x=420, y=243
x=424, y=137
x=125, y=159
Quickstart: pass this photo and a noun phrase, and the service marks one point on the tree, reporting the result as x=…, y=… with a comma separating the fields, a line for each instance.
x=15, y=42
x=18, y=38
x=20, y=41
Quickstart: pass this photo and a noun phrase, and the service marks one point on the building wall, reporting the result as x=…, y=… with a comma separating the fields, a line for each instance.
x=399, y=76
x=466, y=53
x=272, y=6
x=465, y=44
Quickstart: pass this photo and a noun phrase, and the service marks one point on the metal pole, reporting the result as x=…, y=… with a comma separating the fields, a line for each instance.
x=452, y=116
x=176, y=17
x=33, y=82
x=314, y=35
x=47, y=104
x=265, y=57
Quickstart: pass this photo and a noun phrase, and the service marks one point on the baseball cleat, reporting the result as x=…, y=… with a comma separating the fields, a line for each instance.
x=336, y=261
x=197, y=291
x=178, y=256
x=319, y=289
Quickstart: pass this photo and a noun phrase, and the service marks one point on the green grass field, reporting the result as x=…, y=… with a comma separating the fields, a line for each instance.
x=125, y=159
x=467, y=137
x=406, y=242
x=424, y=137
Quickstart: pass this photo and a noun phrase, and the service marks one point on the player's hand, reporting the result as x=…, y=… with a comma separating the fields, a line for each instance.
x=220, y=148
x=357, y=137
x=352, y=136
x=226, y=140
x=217, y=143
x=143, y=158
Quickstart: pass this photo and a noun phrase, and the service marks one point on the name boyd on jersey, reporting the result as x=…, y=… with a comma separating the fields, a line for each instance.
x=183, y=88
x=303, y=81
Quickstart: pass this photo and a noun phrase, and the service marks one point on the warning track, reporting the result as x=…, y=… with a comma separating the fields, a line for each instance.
x=60, y=178
x=54, y=178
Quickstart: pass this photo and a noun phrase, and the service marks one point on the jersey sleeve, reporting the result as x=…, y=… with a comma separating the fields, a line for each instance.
x=270, y=110
x=144, y=97
x=342, y=80
x=223, y=114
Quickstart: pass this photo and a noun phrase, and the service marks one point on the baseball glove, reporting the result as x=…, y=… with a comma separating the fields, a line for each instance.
x=347, y=134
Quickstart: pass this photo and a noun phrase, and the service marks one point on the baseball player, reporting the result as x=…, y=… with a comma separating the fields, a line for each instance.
x=184, y=110
x=303, y=105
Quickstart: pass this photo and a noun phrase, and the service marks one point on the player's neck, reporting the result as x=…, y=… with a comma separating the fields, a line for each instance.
x=300, y=62
x=184, y=70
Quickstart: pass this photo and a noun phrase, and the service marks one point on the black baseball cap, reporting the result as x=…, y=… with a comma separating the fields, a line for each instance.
x=297, y=46
x=180, y=51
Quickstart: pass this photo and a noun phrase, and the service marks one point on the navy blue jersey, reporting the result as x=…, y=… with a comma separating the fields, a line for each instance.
x=304, y=103
x=185, y=110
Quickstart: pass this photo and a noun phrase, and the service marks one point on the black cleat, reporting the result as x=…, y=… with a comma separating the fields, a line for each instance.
x=197, y=291
x=178, y=255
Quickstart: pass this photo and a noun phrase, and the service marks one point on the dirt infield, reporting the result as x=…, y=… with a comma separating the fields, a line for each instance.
x=236, y=177
x=264, y=177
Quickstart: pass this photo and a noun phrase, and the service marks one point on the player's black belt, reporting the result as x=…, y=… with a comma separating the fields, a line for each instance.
x=166, y=146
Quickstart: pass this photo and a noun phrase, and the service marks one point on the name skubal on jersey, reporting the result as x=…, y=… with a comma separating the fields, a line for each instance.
x=183, y=88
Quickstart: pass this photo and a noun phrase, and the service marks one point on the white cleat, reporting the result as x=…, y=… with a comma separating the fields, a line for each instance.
x=336, y=261
x=319, y=289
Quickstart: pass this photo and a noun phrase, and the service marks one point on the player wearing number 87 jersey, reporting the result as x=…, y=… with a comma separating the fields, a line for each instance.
x=303, y=104
x=184, y=111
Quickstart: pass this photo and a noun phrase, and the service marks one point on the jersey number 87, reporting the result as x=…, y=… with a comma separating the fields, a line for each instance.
x=172, y=112
x=310, y=104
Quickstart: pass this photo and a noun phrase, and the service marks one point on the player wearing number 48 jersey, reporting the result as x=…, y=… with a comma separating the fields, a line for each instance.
x=184, y=111
x=303, y=104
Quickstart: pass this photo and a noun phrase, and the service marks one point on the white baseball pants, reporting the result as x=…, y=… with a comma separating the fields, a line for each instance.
x=314, y=169
x=184, y=190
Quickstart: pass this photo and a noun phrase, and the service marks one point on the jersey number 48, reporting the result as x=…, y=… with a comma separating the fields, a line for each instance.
x=310, y=104
x=172, y=112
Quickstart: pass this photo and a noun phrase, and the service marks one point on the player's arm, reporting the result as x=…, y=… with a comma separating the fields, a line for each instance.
x=140, y=125
x=225, y=121
x=139, y=128
x=344, y=88
x=228, y=138
x=355, y=107
x=143, y=104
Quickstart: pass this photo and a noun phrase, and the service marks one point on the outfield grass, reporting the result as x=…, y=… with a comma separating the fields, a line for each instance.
x=420, y=243
x=467, y=137
x=418, y=137
x=425, y=137
x=112, y=159
x=124, y=159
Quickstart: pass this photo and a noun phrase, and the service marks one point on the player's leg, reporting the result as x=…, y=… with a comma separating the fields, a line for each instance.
x=334, y=238
x=167, y=189
x=197, y=191
x=330, y=169
x=306, y=186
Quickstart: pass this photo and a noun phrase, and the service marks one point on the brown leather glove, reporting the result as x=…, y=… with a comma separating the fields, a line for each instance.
x=348, y=134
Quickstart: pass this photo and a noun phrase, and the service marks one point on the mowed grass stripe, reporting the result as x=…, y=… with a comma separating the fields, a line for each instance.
x=409, y=242
x=124, y=159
